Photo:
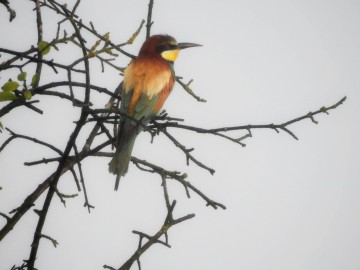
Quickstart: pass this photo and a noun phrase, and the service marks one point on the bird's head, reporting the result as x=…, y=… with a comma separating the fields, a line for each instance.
x=165, y=46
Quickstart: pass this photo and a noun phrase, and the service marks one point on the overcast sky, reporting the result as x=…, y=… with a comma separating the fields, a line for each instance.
x=290, y=204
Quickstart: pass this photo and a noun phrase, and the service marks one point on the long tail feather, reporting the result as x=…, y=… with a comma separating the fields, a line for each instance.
x=117, y=182
x=120, y=162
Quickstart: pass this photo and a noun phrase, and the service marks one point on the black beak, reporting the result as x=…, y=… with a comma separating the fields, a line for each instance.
x=184, y=45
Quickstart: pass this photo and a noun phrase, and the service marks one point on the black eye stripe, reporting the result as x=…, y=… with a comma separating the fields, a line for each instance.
x=169, y=46
x=166, y=47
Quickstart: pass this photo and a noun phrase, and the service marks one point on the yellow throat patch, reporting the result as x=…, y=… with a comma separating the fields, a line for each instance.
x=170, y=55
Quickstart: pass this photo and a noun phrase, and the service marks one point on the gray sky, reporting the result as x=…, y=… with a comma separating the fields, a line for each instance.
x=291, y=204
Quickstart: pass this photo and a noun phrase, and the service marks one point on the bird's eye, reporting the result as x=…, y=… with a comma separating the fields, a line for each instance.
x=167, y=46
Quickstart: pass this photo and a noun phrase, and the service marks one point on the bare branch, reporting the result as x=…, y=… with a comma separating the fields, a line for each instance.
x=9, y=9
x=5, y=216
x=282, y=126
x=14, y=136
x=149, y=21
x=187, y=88
x=153, y=239
x=53, y=241
x=175, y=176
x=78, y=162
x=187, y=152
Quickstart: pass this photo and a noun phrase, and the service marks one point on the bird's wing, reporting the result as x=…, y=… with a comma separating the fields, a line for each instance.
x=144, y=108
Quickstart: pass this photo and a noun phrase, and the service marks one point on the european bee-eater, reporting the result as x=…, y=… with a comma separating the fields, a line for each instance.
x=148, y=81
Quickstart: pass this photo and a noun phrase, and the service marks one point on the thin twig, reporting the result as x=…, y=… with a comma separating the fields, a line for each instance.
x=9, y=9
x=149, y=21
x=78, y=162
x=153, y=239
x=187, y=88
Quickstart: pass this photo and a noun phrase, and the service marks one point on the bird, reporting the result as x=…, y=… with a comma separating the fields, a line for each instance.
x=148, y=81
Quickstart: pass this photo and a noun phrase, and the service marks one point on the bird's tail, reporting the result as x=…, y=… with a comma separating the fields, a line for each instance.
x=120, y=162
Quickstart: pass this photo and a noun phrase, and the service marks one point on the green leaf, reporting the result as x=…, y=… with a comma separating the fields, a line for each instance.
x=27, y=94
x=34, y=79
x=44, y=47
x=22, y=76
x=5, y=96
x=10, y=86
